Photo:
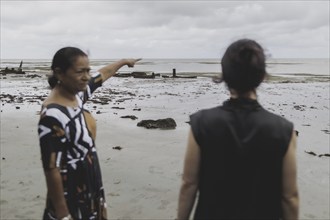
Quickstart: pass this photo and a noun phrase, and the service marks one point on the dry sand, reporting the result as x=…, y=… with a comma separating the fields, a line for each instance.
x=142, y=179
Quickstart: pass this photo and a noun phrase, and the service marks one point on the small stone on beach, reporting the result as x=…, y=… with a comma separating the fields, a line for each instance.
x=117, y=107
x=326, y=131
x=117, y=148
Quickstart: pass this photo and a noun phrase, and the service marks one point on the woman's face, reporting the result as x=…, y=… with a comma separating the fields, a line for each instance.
x=76, y=78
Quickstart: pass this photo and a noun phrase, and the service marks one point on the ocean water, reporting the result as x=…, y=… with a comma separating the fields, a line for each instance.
x=277, y=67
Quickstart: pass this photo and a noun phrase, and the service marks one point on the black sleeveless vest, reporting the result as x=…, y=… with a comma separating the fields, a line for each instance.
x=242, y=149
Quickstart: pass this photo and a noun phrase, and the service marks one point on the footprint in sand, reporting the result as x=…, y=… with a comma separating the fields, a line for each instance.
x=163, y=204
x=116, y=181
x=113, y=194
x=155, y=170
x=310, y=216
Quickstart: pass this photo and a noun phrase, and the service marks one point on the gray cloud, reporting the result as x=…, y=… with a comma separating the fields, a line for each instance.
x=163, y=29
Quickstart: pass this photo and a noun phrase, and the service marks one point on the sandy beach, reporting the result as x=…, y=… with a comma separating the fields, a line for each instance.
x=142, y=179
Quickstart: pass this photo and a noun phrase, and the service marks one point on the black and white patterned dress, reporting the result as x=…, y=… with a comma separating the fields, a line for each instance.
x=67, y=143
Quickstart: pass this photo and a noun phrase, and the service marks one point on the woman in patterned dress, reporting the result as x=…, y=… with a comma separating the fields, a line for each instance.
x=67, y=138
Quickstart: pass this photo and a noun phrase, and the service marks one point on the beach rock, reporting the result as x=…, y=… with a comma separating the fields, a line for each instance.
x=167, y=123
x=117, y=107
x=123, y=99
x=143, y=75
x=138, y=73
x=133, y=117
x=99, y=102
x=123, y=75
x=33, y=76
x=117, y=148
x=300, y=107
x=326, y=131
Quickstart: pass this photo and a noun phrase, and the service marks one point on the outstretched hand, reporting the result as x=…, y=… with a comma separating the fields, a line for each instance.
x=131, y=62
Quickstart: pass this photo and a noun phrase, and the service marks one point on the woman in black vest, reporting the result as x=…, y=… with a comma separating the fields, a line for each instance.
x=240, y=157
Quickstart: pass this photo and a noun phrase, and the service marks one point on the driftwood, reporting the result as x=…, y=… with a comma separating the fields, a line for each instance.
x=138, y=74
x=179, y=77
x=133, y=117
x=143, y=75
x=123, y=75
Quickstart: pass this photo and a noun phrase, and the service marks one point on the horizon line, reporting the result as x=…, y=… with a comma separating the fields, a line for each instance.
x=172, y=58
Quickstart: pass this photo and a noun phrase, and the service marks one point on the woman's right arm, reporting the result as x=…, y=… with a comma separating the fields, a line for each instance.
x=190, y=178
x=56, y=192
x=290, y=195
x=51, y=136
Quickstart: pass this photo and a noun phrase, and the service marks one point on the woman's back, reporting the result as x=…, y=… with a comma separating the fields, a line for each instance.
x=242, y=148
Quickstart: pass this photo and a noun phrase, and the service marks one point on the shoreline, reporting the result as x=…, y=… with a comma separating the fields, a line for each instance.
x=271, y=78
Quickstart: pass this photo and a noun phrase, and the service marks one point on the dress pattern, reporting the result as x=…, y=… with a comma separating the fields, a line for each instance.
x=67, y=144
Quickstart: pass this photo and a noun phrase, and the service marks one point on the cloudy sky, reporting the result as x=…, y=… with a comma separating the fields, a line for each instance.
x=163, y=29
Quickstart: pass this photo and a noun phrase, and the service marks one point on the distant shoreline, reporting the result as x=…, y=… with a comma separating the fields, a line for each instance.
x=278, y=78
x=279, y=69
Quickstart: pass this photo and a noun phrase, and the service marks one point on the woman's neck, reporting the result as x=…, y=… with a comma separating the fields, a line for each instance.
x=63, y=97
x=64, y=93
x=250, y=94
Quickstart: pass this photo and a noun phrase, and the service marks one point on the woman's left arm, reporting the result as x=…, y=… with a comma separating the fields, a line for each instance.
x=190, y=178
x=111, y=69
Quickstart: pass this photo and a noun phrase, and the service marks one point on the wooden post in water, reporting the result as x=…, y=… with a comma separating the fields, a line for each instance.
x=174, y=73
x=20, y=66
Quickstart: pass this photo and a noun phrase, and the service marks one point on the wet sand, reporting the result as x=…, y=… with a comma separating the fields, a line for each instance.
x=142, y=177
